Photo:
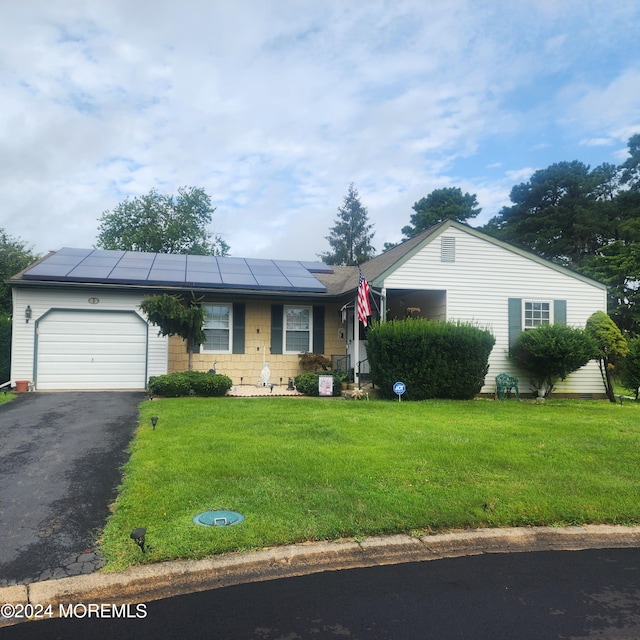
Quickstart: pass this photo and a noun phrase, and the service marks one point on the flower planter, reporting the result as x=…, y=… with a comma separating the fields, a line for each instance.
x=22, y=386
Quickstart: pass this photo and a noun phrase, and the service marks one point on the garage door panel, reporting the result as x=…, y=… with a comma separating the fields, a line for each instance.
x=89, y=347
x=91, y=350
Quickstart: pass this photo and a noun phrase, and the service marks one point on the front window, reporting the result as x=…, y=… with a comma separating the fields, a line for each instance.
x=536, y=314
x=217, y=328
x=297, y=329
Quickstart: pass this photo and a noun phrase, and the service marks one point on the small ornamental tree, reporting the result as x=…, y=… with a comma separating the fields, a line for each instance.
x=611, y=347
x=630, y=367
x=549, y=353
x=176, y=316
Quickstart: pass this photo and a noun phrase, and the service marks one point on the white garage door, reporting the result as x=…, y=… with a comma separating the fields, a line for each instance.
x=91, y=350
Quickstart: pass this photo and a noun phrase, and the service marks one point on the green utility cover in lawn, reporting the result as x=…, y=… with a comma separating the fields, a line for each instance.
x=218, y=518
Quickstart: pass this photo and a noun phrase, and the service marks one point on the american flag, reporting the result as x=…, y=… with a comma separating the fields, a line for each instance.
x=364, y=306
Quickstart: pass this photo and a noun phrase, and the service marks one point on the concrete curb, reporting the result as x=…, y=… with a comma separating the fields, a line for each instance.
x=163, y=580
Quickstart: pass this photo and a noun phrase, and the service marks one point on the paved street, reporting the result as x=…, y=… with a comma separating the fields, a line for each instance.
x=512, y=596
x=60, y=459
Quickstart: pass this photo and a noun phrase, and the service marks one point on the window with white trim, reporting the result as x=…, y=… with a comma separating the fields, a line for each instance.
x=217, y=328
x=297, y=329
x=536, y=314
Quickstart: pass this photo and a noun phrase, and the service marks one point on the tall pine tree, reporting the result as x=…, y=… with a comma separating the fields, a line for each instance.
x=351, y=235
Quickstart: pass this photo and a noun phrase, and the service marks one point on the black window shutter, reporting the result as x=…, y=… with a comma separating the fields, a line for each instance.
x=318, y=329
x=277, y=311
x=196, y=345
x=238, y=327
x=515, y=319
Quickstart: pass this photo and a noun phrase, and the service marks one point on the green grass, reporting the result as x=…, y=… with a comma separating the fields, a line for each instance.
x=315, y=469
x=7, y=397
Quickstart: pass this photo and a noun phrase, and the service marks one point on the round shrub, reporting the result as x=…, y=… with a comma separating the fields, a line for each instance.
x=307, y=383
x=550, y=353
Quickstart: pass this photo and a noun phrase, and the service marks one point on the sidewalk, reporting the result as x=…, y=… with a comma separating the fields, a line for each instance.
x=162, y=580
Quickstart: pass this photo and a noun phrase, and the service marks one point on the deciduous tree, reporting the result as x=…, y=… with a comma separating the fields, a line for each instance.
x=15, y=255
x=162, y=224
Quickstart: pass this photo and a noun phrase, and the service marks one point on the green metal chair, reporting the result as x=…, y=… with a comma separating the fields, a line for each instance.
x=505, y=384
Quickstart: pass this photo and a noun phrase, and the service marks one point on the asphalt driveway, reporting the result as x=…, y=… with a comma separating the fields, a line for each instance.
x=60, y=465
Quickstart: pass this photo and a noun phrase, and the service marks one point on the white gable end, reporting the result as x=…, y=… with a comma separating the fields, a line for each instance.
x=478, y=277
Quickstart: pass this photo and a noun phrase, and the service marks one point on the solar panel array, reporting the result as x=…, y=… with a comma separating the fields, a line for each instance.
x=140, y=268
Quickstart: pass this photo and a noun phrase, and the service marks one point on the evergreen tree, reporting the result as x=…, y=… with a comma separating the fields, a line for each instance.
x=448, y=203
x=350, y=237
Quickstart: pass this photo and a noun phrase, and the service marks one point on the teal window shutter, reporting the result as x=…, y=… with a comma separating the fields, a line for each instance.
x=318, y=329
x=277, y=313
x=515, y=319
x=560, y=312
x=238, y=327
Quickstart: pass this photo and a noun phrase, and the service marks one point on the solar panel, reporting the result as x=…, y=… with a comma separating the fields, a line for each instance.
x=137, y=260
x=307, y=284
x=140, y=268
x=239, y=280
x=273, y=281
x=317, y=267
x=129, y=274
x=234, y=267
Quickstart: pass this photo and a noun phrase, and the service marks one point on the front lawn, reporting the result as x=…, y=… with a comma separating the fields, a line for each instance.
x=314, y=468
x=7, y=397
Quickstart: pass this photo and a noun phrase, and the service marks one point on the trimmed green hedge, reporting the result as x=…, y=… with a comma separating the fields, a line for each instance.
x=433, y=359
x=307, y=383
x=190, y=383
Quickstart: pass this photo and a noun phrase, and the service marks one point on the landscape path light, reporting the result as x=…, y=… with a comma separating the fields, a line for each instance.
x=138, y=536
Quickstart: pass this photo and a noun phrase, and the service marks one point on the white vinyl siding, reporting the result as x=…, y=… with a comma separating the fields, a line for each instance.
x=479, y=284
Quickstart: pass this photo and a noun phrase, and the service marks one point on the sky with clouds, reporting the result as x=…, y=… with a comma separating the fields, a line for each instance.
x=275, y=106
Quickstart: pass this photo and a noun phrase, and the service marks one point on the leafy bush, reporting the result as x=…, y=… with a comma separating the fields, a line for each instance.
x=307, y=383
x=198, y=383
x=549, y=353
x=630, y=367
x=433, y=359
x=610, y=347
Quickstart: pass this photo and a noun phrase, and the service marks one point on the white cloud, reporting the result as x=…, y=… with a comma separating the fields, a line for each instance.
x=275, y=107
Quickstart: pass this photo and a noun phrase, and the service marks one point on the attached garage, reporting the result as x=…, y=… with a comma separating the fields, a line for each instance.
x=86, y=349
